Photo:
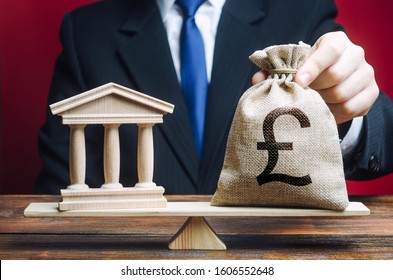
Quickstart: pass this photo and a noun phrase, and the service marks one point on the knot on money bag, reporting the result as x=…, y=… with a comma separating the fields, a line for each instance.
x=283, y=147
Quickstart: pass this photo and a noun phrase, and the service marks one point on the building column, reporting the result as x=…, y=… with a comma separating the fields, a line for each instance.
x=77, y=158
x=111, y=157
x=145, y=156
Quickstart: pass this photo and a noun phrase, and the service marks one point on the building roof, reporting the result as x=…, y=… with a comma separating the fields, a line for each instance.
x=111, y=103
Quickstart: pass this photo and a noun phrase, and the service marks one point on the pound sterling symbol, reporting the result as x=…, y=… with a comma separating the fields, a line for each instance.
x=272, y=147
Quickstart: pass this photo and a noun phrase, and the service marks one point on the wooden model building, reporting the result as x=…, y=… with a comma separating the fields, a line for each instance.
x=111, y=105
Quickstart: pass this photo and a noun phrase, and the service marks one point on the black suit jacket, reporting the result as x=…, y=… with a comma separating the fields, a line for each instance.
x=125, y=42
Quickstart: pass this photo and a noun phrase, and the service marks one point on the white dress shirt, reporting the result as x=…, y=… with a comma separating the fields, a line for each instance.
x=206, y=19
x=352, y=138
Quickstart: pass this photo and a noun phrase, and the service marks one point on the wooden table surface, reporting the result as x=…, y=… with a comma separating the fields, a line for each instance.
x=366, y=237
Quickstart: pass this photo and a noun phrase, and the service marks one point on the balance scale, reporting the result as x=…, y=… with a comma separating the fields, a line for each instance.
x=196, y=233
x=112, y=105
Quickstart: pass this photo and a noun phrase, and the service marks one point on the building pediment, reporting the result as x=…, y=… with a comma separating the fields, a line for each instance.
x=111, y=103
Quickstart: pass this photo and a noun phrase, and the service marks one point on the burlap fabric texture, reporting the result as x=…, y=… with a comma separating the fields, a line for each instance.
x=283, y=148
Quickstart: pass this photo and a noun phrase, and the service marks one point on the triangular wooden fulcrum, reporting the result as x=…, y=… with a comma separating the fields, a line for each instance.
x=196, y=234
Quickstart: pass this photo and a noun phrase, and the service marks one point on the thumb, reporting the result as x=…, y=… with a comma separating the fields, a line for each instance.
x=309, y=70
x=326, y=51
x=259, y=77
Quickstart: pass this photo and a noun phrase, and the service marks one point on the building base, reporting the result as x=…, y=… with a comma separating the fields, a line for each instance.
x=122, y=198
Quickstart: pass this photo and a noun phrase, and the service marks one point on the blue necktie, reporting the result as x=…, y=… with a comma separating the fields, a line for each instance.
x=193, y=70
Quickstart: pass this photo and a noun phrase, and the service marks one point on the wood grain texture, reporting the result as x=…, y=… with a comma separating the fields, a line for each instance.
x=192, y=209
x=366, y=237
x=111, y=157
x=111, y=105
x=77, y=156
x=145, y=156
x=196, y=234
x=109, y=198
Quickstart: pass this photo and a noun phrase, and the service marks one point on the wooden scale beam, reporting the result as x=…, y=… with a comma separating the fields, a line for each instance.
x=111, y=105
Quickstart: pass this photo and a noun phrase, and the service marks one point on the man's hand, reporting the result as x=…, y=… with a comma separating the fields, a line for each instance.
x=337, y=69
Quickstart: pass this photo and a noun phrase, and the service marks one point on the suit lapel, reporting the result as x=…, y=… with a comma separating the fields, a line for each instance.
x=238, y=36
x=144, y=50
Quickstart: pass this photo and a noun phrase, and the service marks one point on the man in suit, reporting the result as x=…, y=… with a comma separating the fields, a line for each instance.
x=135, y=44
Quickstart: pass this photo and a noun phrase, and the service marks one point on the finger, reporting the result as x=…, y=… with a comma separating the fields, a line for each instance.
x=350, y=87
x=357, y=106
x=327, y=51
x=259, y=77
x=348, y=63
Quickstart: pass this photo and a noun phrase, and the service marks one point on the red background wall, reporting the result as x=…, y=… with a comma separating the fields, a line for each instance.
x=29, y=46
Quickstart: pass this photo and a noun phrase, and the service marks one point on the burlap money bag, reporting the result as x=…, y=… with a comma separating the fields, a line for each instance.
x=283, y=148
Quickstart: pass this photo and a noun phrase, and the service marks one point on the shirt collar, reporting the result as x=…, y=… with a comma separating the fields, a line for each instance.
x=165, y=5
